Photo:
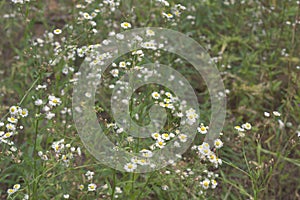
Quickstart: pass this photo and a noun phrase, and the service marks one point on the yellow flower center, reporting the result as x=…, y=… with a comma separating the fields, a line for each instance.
x=10, y=191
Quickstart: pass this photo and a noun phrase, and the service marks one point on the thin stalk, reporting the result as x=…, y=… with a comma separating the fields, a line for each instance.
x=145, y=185
x=114, y=185
x=34, y=192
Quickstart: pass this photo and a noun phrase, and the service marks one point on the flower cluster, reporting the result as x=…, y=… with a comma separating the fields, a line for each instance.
x=10, y=127
x=244, y=127
x=15, y=188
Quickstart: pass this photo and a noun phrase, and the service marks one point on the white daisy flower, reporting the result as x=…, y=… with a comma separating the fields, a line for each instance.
x=213, y=184
x=57, y=31
x=92, y=187
x=80, y=187
x=10, y=191
x=155, y=95
x=16, y=187
x=13, y=110
x=126, y=25
x=167, y=15
x=182, y=137
x=205, y=183
x=202, y=129
x=240, y=129
x=150, y=32
x=168, y=94
x=218, y=143
x=143, y=162
x=130, y=167
x=7, y=135
x=247, y=126
x=156, y=136
x=165, y=136
x=122, y=64
x=160, y=144
x=12, y=120
x=54, y=101
x=23, y=112
x=10, y=127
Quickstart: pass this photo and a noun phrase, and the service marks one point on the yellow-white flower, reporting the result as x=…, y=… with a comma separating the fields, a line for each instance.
x=16, y=187
x=81, y=187
x=213, y=184
x=150, y=32
x=247, y=126
x=10, y=127
x=168, y=101
x=7, y=135
x=23, y=112
x=92, y=187
x=122, y=64
x=143, y=162
x=205, y=145
x=54, y=101
x=191, y=116
x=212, y=157
x=167, y=15
x=86, y=15
x=12, y=120
x=165, y=136
x=182, y=137
x=125, y=25
x=240, y=129
x=57, y=31
x=218, y=143
x=160, y=144
x=202, y=129
x=205, y=183
x=130, y=167
x=13, y=110
x=10, y=191
x=155, y=95
x=156, y=136
x=168, y=94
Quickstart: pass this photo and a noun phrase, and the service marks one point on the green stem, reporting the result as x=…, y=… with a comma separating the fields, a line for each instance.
x=114, y=185
x=34, y=191
x=132, y=182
